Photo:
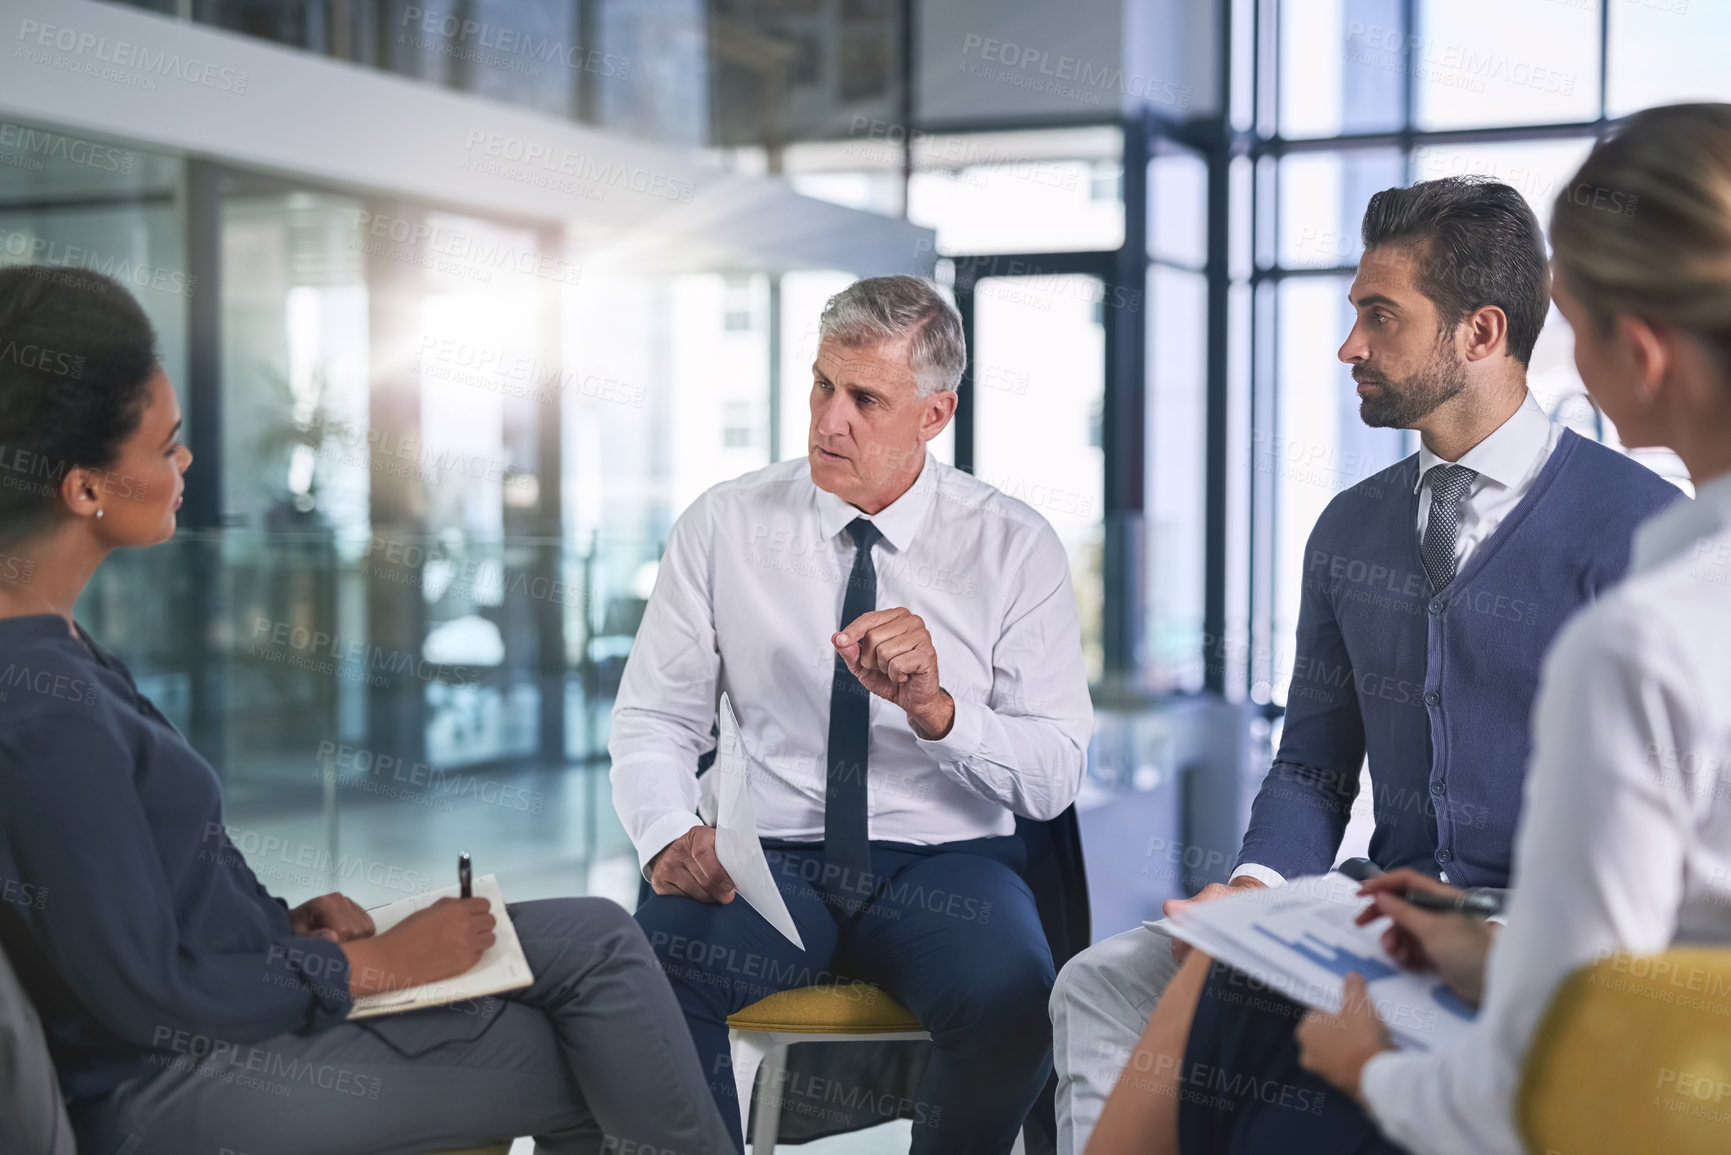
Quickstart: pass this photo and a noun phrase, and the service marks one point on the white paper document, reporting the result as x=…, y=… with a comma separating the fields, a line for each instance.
x=736, y=841
x=1299, y=941
x=502, y=966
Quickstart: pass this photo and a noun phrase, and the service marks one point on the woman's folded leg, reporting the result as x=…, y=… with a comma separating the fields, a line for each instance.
x=594, y=1057
x=1241, y=1090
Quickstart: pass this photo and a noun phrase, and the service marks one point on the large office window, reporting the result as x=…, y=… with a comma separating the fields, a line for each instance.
x=1021, y=192
x=1038, y=371
x=1504, y=89
x=1176, y=428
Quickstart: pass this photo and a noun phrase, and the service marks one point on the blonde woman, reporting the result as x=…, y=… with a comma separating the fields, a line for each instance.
x=1625, y=842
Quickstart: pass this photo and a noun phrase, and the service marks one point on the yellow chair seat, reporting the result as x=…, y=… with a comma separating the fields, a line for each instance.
x=843, y=1009
x=1634, y=1054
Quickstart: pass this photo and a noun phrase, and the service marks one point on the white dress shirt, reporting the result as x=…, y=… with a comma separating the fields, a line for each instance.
x=1625, y=839
x=746, y=600
x=1507, y=462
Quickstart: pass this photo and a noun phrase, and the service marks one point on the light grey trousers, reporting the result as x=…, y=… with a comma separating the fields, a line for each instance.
x=1100, y=1006
x=593, y=1058
x=32, y=1121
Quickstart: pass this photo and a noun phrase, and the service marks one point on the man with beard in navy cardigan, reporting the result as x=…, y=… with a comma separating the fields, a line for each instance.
x=1430, y=594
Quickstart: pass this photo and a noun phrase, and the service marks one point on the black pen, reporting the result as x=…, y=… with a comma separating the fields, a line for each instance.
x=463, y=873
x=1483, y=901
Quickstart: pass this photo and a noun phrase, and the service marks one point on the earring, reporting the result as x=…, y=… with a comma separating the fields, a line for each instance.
x=99, y=513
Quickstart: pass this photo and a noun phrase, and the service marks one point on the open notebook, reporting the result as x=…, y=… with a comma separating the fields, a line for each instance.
x=502, y=968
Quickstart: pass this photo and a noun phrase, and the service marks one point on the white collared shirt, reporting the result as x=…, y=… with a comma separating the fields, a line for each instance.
x=1507, y=462
x=1625, y=838
x=746, y=600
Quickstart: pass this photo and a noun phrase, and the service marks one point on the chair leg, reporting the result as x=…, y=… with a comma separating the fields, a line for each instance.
x=763, y=1136
x=747, y=1049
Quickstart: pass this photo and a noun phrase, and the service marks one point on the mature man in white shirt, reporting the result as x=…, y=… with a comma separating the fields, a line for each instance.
x=901, y=644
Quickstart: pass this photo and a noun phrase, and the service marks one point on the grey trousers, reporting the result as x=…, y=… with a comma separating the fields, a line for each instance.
x=594, y=1057
x=1100, y=1006
x=32, y=1121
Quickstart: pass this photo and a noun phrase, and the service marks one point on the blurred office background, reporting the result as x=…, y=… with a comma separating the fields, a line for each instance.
x=466, y=300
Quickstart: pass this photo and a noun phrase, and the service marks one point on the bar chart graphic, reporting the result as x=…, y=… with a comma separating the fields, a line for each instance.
x=1303, y=939
x=1337, y=960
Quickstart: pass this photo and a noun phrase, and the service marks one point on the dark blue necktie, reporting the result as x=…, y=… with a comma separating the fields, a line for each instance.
x=847, y=854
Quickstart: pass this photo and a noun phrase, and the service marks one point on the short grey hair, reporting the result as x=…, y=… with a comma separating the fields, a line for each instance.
x=880, y=309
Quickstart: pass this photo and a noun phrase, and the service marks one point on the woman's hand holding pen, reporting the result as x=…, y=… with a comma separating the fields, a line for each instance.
x=1454, y=946
x=440, y=942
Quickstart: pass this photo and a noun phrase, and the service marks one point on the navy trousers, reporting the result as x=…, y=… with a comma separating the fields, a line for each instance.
x=950, y=931
x=1241, y=1090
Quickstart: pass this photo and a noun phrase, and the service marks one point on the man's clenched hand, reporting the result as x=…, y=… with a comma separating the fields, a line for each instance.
x=891, y=653
x=689, y=865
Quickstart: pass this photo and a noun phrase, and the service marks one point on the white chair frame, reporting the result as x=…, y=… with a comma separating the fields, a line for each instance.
x=766, y=1051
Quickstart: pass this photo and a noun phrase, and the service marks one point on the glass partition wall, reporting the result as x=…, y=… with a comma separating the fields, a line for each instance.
x=437, y=459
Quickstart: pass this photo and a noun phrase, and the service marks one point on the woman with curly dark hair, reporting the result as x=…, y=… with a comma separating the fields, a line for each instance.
x=188, y=1011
